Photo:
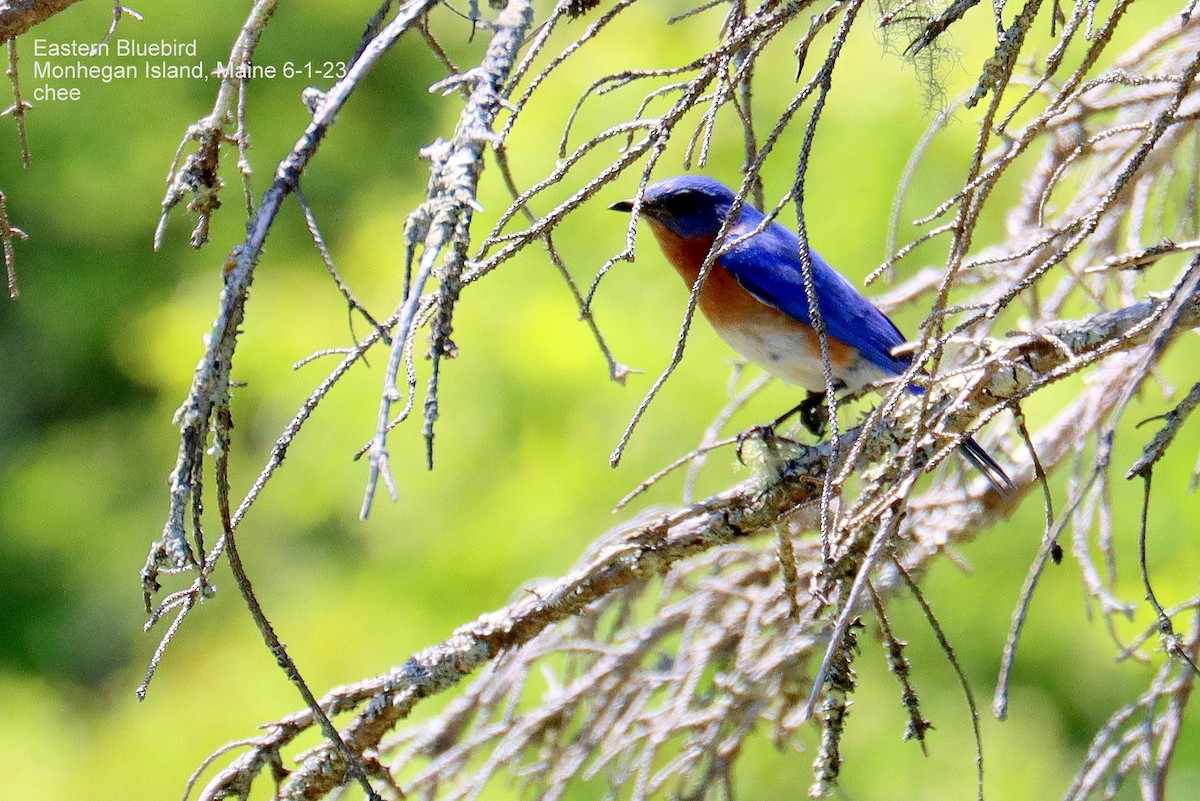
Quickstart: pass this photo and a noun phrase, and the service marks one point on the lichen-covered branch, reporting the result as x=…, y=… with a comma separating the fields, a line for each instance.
x=790, y=492
x=199, y=174
x=210, y=385
x=711, y=638
x=442, y=223
x=18, y=16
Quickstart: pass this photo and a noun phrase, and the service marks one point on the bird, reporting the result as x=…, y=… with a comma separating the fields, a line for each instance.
x=755, y=300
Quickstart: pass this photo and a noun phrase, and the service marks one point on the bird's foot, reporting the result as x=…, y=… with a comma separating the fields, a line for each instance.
x=766, y=434
x=812, y=412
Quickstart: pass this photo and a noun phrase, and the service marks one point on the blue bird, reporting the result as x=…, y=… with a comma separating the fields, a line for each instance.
x=755, y=300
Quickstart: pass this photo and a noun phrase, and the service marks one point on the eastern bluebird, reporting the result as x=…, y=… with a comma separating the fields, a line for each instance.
x=755, y=300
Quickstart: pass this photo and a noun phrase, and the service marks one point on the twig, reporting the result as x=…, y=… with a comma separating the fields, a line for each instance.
x=354, y=763
x=210, y=385
x=7, y=234
x=198, y=174
x=19, y=106
x=445, y=218
x=948, y=650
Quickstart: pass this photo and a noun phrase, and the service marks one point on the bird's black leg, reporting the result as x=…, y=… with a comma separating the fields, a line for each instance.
x=813, y=412
x=814, y=416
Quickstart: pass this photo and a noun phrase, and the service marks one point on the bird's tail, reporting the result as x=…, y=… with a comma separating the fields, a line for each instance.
x=984, y=463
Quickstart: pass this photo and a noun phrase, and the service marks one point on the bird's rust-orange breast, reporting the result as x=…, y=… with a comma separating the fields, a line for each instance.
x=733, y=311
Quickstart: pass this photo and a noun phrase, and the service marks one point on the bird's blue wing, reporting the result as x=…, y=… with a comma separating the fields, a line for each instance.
x=768, y=266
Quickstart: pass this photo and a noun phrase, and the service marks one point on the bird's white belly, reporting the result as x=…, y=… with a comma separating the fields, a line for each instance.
x=791, y=359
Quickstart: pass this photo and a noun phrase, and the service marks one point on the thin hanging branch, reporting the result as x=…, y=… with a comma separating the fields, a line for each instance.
x=211, y=383
x=442, y=223
x=711, y=636
x=667, y=541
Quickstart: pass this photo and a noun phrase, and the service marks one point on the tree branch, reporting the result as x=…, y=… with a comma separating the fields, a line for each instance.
x=18, y=16
x=790, y=493
x=210, y=385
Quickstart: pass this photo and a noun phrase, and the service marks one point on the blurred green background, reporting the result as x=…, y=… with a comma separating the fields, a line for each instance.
x=99, y=351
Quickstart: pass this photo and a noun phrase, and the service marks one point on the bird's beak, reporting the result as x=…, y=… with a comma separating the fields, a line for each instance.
x=622, y=205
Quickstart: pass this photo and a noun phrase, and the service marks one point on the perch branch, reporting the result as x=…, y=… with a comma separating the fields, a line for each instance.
x=652, y=548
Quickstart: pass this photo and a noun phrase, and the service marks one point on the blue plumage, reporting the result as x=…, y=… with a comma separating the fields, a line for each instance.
x=779, y=282
x=756, y=300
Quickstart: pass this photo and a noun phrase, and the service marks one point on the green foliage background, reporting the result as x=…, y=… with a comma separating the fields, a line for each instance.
x=99, y=351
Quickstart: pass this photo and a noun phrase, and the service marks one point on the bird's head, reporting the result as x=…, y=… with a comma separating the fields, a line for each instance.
x=690, y=206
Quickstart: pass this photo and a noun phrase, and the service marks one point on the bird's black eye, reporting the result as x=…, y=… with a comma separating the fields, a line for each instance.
x=683, y=203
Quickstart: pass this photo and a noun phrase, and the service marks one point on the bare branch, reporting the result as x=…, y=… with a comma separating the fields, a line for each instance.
x=680, y=635
x=210, y=386
x=199, y=174
x=18, y=16
x=444, y=222
x=628, y=557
